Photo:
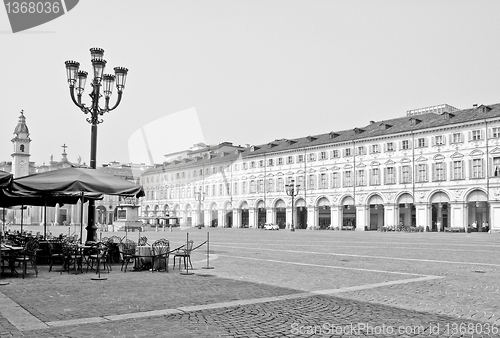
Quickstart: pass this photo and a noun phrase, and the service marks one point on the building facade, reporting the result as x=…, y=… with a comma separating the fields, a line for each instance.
x=437, y=168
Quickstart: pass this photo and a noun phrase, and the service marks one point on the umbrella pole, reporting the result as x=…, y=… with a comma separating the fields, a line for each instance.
x=81, y=219
x=3, y=234
x=22, y=216
x=45, y=218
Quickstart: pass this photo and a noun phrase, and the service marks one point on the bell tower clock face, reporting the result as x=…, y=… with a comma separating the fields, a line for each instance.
x=22, y=162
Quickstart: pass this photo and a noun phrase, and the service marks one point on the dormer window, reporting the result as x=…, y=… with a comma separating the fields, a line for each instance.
x=333, y=135
x=415, y=121
x=448, y=116
x=311, y=138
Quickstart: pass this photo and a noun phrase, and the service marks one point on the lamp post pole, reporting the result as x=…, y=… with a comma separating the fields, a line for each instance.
x=76, y=81
x=292, y=190
x=200, y=197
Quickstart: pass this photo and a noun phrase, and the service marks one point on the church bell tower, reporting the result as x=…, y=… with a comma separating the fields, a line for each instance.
x=21, y=154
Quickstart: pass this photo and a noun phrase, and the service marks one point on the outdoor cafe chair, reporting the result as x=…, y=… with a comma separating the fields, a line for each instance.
x=28, y=255
x=55, y=252
x=99, y=255
x=128, y=251
x=73, y=256
x=185, y=254
x=114, y=245
x=161, y=252
x=142, y=241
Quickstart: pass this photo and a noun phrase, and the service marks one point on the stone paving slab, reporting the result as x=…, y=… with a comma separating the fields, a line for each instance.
x=266, y=284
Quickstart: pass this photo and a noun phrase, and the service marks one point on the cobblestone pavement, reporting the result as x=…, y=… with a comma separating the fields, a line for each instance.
x=276, y=284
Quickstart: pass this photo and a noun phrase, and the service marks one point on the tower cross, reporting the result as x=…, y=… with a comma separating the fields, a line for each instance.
x=64, y=146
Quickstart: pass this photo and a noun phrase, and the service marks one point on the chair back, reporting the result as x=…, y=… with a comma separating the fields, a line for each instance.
x=142, y=241
x=101, y=249
x=188, y=247
x=114, y=239
x=69, y=248
x=31, y=246
x=129, y=247
x=55, y=246
x=161, y=247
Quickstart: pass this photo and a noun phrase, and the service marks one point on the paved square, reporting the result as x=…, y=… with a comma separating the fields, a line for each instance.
x=276, y=284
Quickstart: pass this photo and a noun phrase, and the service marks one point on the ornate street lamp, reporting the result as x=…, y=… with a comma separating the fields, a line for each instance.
x=76, y=81
x=200, y=197
x=292, y=190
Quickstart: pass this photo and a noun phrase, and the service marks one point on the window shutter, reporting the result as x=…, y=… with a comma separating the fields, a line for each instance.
x=482, y=168
x=444, y=171
x=452, y=173
x=481, y=134
x=451, y=138
x=443, y=138
x=470, y=169
x=426, y=166
x=470, y=135
x=433, y=172
x=385, y=175
x=400, y=174
x=433, y=140
x=490, y=132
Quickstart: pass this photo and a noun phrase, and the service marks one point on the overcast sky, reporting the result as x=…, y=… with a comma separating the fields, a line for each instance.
x=244, y=71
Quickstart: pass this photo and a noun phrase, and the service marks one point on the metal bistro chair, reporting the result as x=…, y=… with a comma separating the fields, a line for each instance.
x=161, y=252
x=184, y=253
x=142, y=241
x=99, y=255
x=73, y=256
x=55, y=252
x=114, y=244
x=128, y=251
x=28, y=255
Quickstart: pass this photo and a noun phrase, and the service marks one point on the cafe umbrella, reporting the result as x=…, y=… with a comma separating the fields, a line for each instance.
x=76, y=180
x=11, y=199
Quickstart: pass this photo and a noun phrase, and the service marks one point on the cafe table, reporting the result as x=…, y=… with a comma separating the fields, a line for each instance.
x=10, y=251
x=144, y=260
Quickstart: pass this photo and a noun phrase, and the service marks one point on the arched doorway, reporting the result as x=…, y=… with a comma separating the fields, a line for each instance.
x=478, y=211
x=324, y=213
x=189, y=216
x=245, y=216
x=301, y=214
x=376, y=220
x=215, y=222
x=228, y=215
x=261, y=214
x=348, y=214
x=440, y=207
x=407, y=212
x=280, y=214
